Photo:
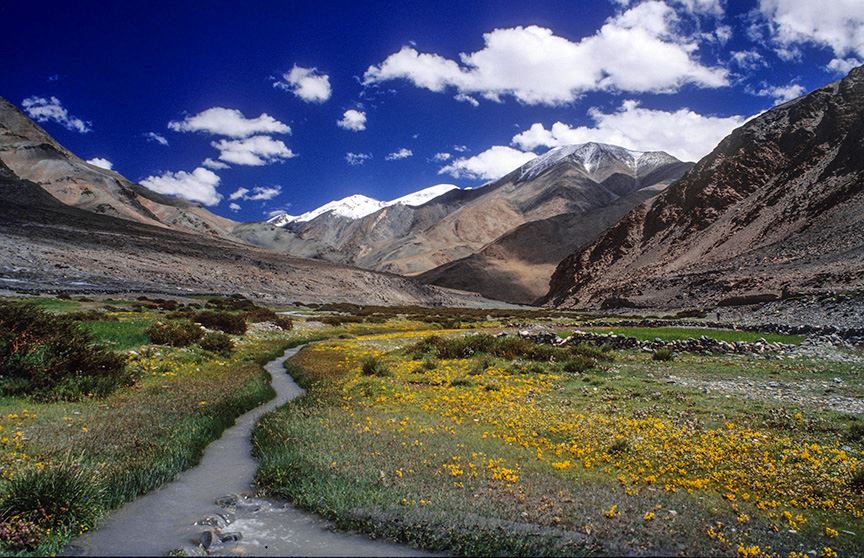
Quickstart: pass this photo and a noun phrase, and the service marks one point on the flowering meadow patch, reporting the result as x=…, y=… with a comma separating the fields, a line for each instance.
x=488, y=442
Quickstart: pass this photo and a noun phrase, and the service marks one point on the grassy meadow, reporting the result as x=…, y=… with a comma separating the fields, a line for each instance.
x=421, y=426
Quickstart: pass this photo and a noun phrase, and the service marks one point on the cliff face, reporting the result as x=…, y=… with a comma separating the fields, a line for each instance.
x=777, y=207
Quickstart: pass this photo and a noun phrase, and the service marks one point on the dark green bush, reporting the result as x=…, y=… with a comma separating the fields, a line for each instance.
x=663, y=354
x=217, y=342
x=223, y=321
x=374, y=367
x=47, y=356
x=180, y=333
x=285, y=323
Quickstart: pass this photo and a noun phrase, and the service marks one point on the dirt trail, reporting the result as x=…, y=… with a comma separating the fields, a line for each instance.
x=165, y=519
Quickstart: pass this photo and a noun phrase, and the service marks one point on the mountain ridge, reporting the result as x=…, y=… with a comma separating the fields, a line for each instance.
x=776, y=209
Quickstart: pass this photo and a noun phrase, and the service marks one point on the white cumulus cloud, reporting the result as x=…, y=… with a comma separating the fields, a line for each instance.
x=306, y=83
x=101, y=162
x=221, y=121
x=838, y=25
x=783, y=93
x=355, y=159
x=639, y=50
x=683, y=133
x=238, y=194
x=493, y=163
x=354, y=120
x=234, y=206
x=50, y=109
x=843, y=65
x=441, y=157
x=215, y=165
x=198, y=185
x=254, y=151
x=402, y=153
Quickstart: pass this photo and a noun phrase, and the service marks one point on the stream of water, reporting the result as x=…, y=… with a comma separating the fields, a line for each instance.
x=169, y=518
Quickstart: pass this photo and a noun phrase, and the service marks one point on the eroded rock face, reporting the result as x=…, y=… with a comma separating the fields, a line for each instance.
x=776, y=210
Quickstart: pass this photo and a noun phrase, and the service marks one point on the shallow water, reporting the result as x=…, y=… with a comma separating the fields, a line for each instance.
x=164, y=519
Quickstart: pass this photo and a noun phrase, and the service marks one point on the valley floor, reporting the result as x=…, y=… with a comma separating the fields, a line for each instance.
x=423, y=427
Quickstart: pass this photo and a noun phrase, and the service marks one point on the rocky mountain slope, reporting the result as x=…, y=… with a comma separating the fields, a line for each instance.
x=776, y=210
x=47, y=245
x=34, y=155
x=573, y=180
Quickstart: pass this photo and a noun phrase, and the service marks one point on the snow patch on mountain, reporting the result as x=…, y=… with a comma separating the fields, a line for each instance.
x=359, y=206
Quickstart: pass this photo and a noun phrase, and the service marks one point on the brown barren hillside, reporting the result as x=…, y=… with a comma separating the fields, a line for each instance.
x=776, y=209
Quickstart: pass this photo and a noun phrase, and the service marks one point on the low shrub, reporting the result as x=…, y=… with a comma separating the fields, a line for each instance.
x=507, y=347
x=375, y=367
x=285, y=323
x=56, y=496
x=856, y=432
x=217, y=342
x=48, y=356
x=663, y=354
x=856, y=483
x=578, y=364
x=223, y=321
x=180, y=333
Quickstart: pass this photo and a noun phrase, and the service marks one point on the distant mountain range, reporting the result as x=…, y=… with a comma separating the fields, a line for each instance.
x=776, y=210
x=495, y=239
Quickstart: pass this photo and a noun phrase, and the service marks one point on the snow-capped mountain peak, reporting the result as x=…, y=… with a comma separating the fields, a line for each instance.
x=592, y=155
x=358, y=205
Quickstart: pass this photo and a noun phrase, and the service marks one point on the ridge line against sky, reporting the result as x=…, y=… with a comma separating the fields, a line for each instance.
x=261, y=108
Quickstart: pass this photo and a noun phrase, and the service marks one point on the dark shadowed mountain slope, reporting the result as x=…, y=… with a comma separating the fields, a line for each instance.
x=777, y=207
x=517, y=266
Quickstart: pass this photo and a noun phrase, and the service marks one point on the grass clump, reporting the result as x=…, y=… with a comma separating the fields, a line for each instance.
x=36, y=500
x=217, y=342
x=372, y=366
x=663, y=354
x=46, y=356
x=179, y=333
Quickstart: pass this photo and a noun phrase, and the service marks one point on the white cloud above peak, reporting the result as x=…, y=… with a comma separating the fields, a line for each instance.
x=354, y=120
x=493, y=163
x=221, y=121
x=683, y=133
x=50, y=109
x=254, y=151
x=537, y=67
x=101, y=162
x=307, y=84
x=198, y=185
x=258, y=193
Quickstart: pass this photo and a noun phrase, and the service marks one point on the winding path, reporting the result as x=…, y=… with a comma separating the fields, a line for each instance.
x=164, y=519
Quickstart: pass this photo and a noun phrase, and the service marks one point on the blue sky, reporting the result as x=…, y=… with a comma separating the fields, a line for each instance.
x=481, y=85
